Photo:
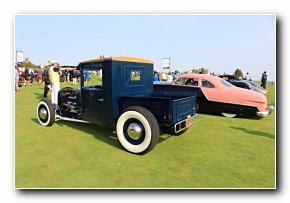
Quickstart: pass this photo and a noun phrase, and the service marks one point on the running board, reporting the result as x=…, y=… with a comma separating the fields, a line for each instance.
x=58, y=118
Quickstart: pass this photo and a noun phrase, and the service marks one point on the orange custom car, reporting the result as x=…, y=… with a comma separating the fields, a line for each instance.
x=216, y=95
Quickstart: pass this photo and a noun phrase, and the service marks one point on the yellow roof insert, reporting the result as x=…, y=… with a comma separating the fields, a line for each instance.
x=120, y=58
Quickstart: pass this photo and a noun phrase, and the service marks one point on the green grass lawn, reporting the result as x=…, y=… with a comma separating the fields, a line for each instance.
x=216, y=152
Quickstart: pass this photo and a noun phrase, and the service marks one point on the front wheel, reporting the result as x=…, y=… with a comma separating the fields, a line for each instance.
x=137, y=130
x=45, y=112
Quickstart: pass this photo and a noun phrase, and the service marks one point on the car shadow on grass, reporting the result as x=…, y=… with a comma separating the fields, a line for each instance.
x=254, y=132
x=237, y=116
x=100, y=133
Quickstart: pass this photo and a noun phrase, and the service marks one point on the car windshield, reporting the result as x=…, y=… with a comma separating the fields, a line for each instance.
x=254, y=84
x=226, y=83
x=257, y=86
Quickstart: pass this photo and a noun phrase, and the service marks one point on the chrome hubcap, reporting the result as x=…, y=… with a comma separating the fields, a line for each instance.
x=134, y=131
x=43, y=113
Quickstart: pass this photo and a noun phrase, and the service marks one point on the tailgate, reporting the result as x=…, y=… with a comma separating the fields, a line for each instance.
x=183, y=104
x=183, y=108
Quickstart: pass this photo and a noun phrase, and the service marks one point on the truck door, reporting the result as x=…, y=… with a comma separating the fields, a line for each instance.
x=93, y=102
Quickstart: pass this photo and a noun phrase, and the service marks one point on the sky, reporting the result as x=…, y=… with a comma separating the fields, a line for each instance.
x=219, y=43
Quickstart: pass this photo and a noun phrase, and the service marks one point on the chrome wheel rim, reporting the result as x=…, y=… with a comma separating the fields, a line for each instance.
x=134, y=131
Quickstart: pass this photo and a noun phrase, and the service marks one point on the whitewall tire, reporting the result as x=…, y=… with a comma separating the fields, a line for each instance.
x=137, y=130
x=45, y=112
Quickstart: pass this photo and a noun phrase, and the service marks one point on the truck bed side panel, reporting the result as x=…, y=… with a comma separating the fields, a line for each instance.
x=179, y=108
x=158, y=106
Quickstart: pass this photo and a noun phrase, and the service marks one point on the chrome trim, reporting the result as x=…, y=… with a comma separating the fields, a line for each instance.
x=268, y=111
x=43, y=113
x=182, y=124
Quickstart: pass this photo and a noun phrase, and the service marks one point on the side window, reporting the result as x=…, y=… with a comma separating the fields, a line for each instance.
x=135, y=75
x=206, y=83
x=191, y=81
x=91, y=75
x=180, y=81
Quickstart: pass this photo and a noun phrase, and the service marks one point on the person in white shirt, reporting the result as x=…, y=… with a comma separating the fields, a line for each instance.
x=169, y=77
x=248, y=77
x=164, y=76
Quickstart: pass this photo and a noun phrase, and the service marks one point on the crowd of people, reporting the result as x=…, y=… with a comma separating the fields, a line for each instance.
x=163, y=76
x=50, y=76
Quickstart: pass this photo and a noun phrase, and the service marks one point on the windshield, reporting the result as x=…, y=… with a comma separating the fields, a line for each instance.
x=226, y=83
x=254, y=84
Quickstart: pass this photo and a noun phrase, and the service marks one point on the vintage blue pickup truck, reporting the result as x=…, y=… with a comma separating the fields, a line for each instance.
x=125, y=102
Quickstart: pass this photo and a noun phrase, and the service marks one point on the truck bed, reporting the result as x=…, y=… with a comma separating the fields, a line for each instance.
x=168, y=107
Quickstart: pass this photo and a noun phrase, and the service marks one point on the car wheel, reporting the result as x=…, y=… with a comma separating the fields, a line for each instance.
x=137, y=130
x=45, y=112
x=229, y=115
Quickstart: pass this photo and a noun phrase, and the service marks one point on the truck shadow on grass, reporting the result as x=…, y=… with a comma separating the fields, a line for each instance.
x=255, y=132
x=100, y=133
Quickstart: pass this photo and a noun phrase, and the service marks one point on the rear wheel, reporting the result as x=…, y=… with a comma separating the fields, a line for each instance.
x=229, y=115
x=137, y=130
x=45, y=112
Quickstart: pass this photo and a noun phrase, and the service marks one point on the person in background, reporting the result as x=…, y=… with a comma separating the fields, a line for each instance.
x=47, y=85
x=27, y=76
x=175, y=75
x=164, y=76
x=16, y=78
x=169, y=77
x=159, y=76
x=68, y=72
x=74, y=77
x=54, y=81
x=63, y=73
x=155, y=76
x=264, y=80
x=248, y=77
x=39, y=75
x=88, y=77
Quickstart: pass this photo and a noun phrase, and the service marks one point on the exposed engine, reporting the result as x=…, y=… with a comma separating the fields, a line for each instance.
x=69, y=102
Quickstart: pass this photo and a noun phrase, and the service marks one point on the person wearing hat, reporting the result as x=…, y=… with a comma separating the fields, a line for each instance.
x=46, y=79
x=54, y=81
